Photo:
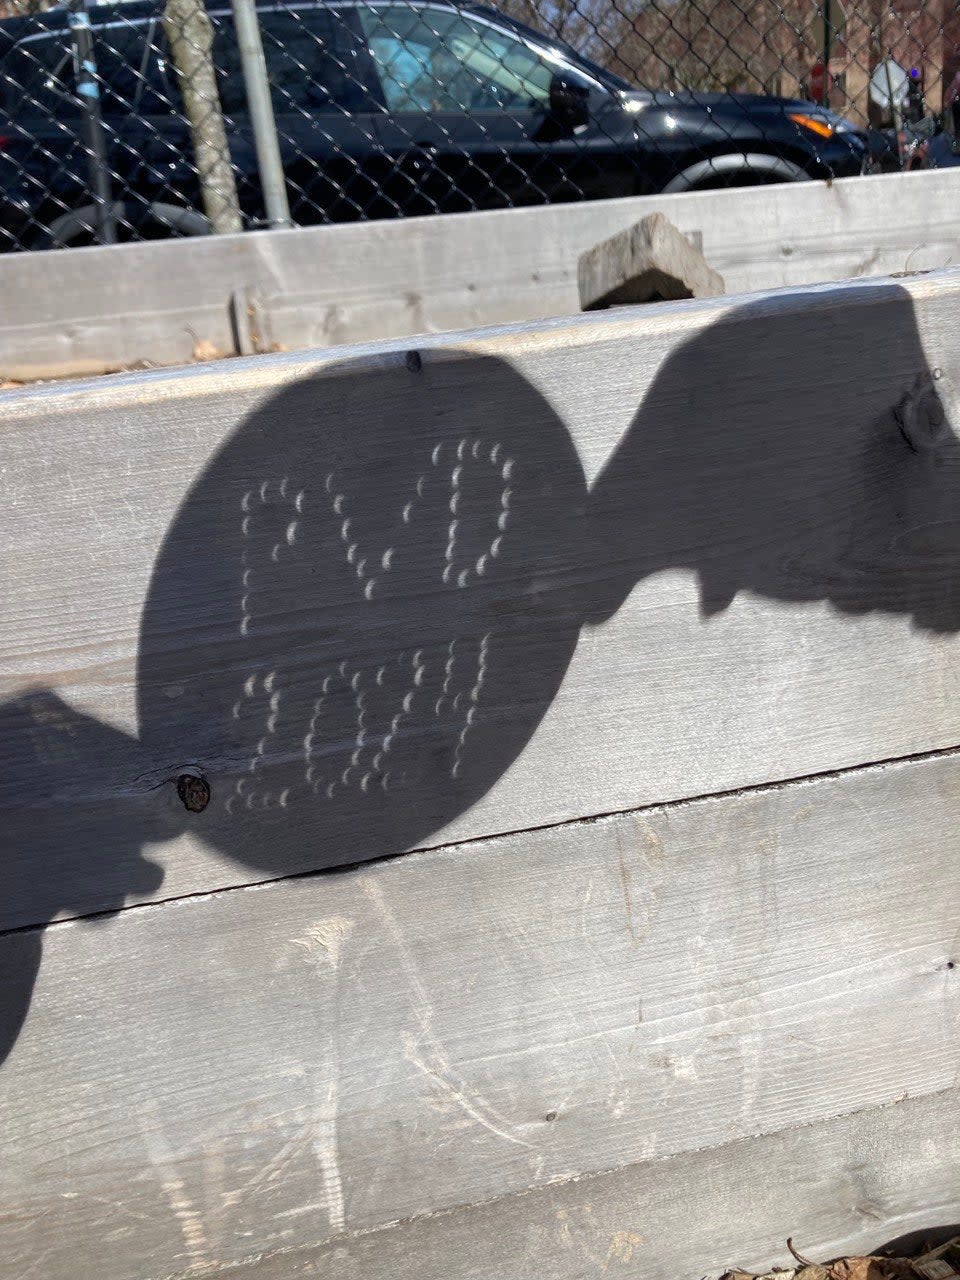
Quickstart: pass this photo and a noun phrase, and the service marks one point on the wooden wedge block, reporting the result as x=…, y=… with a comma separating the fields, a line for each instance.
x=649, y=262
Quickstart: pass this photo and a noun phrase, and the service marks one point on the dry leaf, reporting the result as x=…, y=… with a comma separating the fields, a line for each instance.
x=203, y=349
x=857, y=1269
x=850, y=1268
x=813, y=1272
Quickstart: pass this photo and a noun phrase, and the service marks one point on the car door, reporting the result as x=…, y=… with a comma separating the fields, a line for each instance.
x=144, y=144
x=468, y=122
x=44, y=164
x=150, y=149
x=324, y=110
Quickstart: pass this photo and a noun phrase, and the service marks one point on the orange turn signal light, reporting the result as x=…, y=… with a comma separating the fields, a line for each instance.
x=813, y=123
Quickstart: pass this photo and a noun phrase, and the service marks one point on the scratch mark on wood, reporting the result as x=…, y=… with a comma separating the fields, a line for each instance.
x=323, y=942
x=468, y=1105
x=621, y=1248
x=189, y=1220
x=271, y=1170
x=583, y=910
x=626, y=885
x=326, y=1147
x=436, y=1066
x=304, y=1208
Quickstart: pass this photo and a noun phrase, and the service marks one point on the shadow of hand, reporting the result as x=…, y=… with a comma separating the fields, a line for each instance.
x=73, y=832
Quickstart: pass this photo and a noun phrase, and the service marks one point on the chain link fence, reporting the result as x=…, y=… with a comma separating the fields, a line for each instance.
x=149, y=119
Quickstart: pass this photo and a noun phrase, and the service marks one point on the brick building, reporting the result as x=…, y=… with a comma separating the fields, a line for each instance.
x=922, y=37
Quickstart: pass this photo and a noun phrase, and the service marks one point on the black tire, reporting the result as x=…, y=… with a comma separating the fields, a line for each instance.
x=157, y=222
x=179, y=220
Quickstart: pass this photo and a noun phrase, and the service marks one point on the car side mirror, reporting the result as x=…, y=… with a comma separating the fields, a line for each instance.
x=569, y=101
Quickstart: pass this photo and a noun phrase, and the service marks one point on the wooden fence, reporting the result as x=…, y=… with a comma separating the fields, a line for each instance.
x=640, y=630
x=96, y=310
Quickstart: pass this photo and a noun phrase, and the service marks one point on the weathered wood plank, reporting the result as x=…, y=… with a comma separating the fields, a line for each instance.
x=275, y=1067
x=694, y=551
x=650, y=261
x=77, y=313
x=849, y=1184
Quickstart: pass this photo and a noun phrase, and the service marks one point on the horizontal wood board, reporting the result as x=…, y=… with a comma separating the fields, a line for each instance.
x=211, y=1080
x=90, y=310
x=848, y=1185
x=730, y=556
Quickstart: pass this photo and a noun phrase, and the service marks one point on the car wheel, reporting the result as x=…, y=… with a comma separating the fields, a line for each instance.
x=743, y=170
x=158, y=221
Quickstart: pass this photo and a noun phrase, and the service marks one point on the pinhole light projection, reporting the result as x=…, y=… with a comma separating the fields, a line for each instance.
x=363, y=608
x=370, y=596
x=413, y=676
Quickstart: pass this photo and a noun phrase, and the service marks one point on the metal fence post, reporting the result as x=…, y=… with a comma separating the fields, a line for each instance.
x=257, y=85
x=88, y=91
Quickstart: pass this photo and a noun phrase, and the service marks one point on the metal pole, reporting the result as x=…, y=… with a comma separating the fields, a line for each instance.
x=88, y=91
x=894, y=112
x=257, y=85
x=827, y=42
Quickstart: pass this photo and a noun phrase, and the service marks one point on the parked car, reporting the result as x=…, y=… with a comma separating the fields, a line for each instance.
x=925, y=144
x=384, y=109
x=904, y=149
x=943, y=151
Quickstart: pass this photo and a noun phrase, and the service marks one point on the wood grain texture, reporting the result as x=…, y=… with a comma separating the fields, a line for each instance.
x=79, y=313
x=204, y=1081
x=850, y=1184
x=650, y=261
x=724, y=561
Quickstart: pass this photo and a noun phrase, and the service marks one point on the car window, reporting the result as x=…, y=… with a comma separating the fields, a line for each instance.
x=435, y=60
x=132, y=68
x=310, y=63
x=38, y=77
x=132, y=65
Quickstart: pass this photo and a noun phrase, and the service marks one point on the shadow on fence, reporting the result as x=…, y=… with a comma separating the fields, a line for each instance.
x=370, y=595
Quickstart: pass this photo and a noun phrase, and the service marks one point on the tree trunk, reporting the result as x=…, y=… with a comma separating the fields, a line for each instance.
x=190, y=37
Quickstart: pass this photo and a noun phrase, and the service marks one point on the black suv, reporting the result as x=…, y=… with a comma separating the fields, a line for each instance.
x=383, y=109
